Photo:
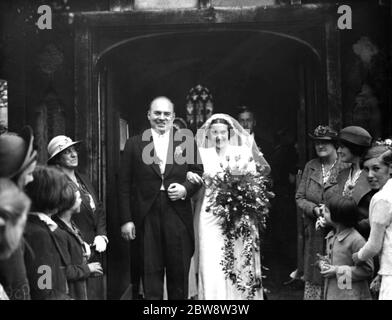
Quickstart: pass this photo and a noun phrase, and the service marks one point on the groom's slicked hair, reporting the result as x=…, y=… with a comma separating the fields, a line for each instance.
x=163, y=98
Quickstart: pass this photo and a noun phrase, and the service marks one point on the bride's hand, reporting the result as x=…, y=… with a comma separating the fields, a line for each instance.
x=193, y=178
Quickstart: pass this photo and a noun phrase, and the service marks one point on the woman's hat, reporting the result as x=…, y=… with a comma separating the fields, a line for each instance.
x=324, y=133
x=16, y=152
x=356, y=135
x=59, y=144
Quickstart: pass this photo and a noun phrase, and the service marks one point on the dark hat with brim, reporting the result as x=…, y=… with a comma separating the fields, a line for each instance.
x=16, y=152
x=324, y=133
x=356, y=135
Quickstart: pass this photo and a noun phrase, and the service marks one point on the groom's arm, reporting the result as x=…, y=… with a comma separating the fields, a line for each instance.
x=195, y=166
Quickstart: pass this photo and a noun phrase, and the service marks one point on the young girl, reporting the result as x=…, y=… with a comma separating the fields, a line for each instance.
x=344, y=280
x=45, y=263
x=78, y=271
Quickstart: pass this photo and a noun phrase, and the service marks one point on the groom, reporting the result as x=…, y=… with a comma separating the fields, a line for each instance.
x=161, y=220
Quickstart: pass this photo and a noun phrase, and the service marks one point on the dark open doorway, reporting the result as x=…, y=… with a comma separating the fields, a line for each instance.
x=278, y=76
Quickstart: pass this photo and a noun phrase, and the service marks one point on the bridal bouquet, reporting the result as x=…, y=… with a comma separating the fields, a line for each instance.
x=241, y=201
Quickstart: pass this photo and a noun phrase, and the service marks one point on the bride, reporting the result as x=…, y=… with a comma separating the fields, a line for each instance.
x=222, y=141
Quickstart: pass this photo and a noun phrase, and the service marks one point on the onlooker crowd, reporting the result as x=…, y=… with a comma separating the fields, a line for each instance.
x=52, y=226
x=346, y=201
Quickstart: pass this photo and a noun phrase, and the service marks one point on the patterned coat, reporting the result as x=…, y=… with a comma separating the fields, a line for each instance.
x=362, y=194
x=310, y=193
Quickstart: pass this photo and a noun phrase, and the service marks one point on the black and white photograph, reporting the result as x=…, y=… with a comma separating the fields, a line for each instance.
x=195, y=150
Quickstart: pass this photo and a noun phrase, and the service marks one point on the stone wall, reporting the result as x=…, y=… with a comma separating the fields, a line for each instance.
x=165, y=4
x=366, y=69
x=242, y=3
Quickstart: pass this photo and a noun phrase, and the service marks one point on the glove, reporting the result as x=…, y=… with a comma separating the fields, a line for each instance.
x=99, y=243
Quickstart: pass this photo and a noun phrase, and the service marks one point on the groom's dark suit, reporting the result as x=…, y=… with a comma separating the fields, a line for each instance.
x=164, y=228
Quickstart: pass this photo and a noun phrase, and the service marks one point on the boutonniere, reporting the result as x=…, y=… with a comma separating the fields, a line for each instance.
x=178, y=151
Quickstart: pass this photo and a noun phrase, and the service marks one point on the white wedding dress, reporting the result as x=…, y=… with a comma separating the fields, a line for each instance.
x=212, y=284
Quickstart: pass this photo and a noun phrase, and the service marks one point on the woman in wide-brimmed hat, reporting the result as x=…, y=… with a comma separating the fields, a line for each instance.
x=354, y=142
x=318, y=177
x=91, y=219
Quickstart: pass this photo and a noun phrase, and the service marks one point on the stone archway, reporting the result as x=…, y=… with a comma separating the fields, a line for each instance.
x=100, y=36
x=126, y=89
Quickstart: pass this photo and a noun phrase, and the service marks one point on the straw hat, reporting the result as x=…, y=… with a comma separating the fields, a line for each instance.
x=59, y=144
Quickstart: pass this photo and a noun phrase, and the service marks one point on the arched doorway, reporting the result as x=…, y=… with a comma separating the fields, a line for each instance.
x=279, y=76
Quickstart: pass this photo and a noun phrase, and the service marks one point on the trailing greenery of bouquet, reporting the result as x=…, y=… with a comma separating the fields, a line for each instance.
x=241, y=201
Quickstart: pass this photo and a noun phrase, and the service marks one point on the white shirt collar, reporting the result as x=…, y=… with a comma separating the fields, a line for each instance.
x=156, y=134
x=46, y=219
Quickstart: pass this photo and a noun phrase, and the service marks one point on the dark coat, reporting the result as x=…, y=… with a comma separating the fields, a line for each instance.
x=91, y=224
x=340, y=249
x=311, y=192
x=77, y=271
x=13, y=275
x=46, y=251
x=265, y=147
x=283, y=163
x=362, y=194
x=147, y=181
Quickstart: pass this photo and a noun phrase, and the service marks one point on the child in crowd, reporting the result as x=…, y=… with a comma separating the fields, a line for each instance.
x=344, y=280
x=78, y=271
x=45, y=263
